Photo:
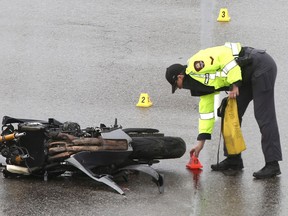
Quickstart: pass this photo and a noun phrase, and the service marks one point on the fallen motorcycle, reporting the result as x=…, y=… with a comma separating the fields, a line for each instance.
x=51, y=148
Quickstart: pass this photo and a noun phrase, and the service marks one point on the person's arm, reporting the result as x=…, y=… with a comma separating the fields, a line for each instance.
x=206, y=122
x=206, y=117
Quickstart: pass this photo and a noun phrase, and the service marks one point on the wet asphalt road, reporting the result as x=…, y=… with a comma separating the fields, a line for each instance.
x=88, y=61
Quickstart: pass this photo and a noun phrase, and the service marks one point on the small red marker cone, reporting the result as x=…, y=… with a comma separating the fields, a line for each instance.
x=194, y=163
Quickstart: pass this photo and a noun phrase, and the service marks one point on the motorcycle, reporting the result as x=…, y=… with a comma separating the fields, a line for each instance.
x=51, y=148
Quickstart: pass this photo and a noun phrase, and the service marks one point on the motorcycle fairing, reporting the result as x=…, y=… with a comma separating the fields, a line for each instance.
x=85, y=161
x=100, y=178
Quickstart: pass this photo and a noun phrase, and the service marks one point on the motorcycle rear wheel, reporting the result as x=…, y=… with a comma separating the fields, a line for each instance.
x=148, y=148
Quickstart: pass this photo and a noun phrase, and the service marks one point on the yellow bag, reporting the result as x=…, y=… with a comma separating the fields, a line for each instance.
x=231, y=130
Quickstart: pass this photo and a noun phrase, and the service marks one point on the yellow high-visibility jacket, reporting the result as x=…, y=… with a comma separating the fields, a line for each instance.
x=215, y=67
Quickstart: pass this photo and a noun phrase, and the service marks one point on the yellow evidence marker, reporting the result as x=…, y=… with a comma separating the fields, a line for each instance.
x=223, y=15
x=144, y=100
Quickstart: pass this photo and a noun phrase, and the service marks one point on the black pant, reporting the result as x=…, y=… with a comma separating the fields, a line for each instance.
x=260, y=89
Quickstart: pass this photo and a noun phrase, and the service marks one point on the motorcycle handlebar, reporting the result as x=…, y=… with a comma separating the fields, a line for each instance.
x=11, y=136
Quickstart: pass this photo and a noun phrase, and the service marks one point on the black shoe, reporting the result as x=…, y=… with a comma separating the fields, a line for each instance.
x=230, y=163
x=271, y=169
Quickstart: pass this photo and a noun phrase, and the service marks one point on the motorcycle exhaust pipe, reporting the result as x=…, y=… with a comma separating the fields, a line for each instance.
x=17, y=169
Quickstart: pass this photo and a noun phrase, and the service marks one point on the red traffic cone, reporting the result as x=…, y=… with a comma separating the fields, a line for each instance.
x=194, y=163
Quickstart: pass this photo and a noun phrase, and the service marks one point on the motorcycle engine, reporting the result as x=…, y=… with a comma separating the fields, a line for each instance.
x=72, y=128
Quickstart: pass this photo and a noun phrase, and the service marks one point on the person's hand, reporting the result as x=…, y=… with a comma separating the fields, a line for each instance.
x=234, y=93
x=197, y=149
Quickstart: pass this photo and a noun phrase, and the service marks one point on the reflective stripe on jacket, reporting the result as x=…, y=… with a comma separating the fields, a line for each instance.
x=214, y=67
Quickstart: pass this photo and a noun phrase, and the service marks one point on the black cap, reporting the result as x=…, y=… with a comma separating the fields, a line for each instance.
x=171, y=74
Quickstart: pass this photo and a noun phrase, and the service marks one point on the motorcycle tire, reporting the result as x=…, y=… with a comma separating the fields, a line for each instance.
x=149, y=148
